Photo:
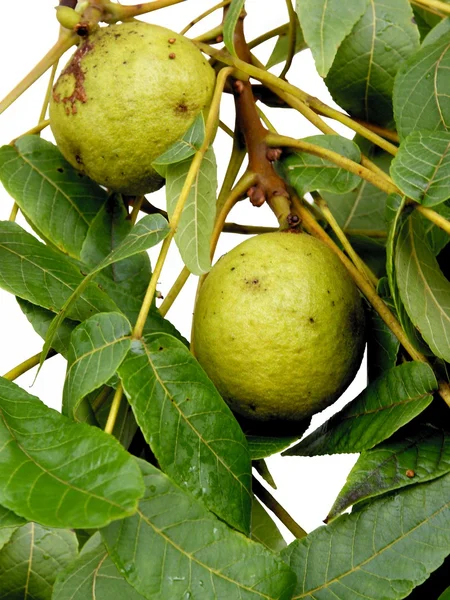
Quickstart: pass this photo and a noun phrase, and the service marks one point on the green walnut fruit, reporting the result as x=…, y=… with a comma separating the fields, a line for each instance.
x=279, y=327
x=128, y=93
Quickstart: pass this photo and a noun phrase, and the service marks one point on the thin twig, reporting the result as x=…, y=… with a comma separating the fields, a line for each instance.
x=203, y=15
x=26, y=365
x=114, y=410
x=279, y=511
x=48, y=93
x=292, y=38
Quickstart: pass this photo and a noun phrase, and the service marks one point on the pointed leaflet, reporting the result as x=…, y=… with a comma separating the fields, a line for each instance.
x=40, y=319
x=264, y=530
x=97, y=348
x=361, y=79
x=67, y=475
x=147, y=233
x=325, y=24
x=174, y=548
x=233, y=13
x=306, y=172
x=421, y=92
x=384, y=406
x=196, y=225
x=281, y=48
x=184, y=148
x=190, y=429
x=262, y=446
x=59, y=201
x=421, y=455
x=36, y=273
x=382, y=551
x=440, y=30
x=424, y=290
x=93, y=576
x=421, y=169
x=32, y=559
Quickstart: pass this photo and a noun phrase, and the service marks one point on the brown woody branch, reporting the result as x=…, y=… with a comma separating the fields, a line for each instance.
x=269, y=186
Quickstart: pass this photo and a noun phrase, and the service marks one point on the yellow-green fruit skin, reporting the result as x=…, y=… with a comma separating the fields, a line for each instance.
x=279, y=327
x=129, y=92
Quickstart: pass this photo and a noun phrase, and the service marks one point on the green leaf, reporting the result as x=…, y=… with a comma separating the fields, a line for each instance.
x=59, y=201
x=229, y=25
x=325, y=24
x=382, y=346
x=281, y=48
x=32, y=559
x=147, y=233
x=40, y=319
x=421, y=169
x=9, y=522
x=421, y=455
x=36, y=273
x=362, y=208
x=264, y=446
x=306, y=172
x=93, y=576
x=384, y=406
x=361, y=79
x=196, y=225
x=437, y=238
x=185, y=552
x=264, y=530
x=396, y=206
x=188, y=426
x=184, y=148
x=382, y=551
x=424, y=290
x=445, y=595
x=439, y=31
x=421, y=99
x=66, y=475
x=97, y=349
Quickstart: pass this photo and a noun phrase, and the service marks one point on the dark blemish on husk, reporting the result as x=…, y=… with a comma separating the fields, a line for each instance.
x=181, y=108
x=74, y=68
x=252, y=407
x=311, y=320
x=78, y=159
x=232, y=268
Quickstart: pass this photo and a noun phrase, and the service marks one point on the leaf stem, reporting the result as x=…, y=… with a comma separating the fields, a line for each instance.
x=65, y=41
x=26, y=365
x=14, y=212
x=114, y=410
x=48, y=93
x=119, y=12
x=36, y=129
x=268, y=35
x=190, y=178
x=292, y=38
x=336, y=158
x=273, y=505
x=437, y=5
x=433, y=216
x=204, y=15
x=359, y=264
x=174, y=291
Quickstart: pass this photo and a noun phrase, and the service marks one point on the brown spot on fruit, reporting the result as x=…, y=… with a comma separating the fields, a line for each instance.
x=172, y=55
x=74, y=68
x=172, y=40
x=181, y=108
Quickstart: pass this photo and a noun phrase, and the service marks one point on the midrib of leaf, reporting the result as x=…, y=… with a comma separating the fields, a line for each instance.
x=389, y=407
x=322, y=25
x=45, y=470
x=355, y=205
x=372, y=50
x=30, y=561
x=438, y=106
x=53, y=184
x=436, y=169
x=95, y=350
x=422, y=276
x=191, y=557
x=183, y=416
x=49, y=273
x=368, y=560
x=95, y=577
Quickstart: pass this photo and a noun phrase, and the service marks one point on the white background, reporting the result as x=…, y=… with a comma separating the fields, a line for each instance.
x=306, y=486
